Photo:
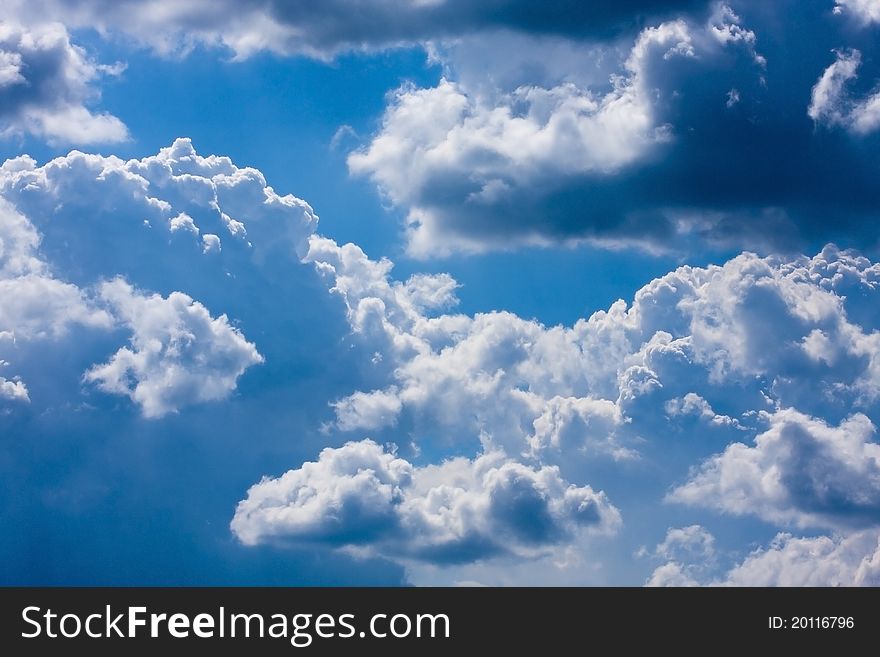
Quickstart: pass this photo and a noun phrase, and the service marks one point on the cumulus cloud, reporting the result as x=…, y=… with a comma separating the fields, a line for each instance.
x=361, y=496
x=513, y=413
x=833, y=105
x=865, y=11
x=179, y=354
x=165, y=203
x=46, y=85
x=852, y=560
x=13, y=390
x=103, y=221
x=688, y=542
x=749, y=330
x=536, y=140
x=445, y=145
x=688, y=551
x=34, y=305
x=837, y=560
x=754, y=338
x=694, y=405
x=671, y=574
x=800, y=471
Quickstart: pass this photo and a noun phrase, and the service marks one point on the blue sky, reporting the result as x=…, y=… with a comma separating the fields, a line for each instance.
x=439, y=293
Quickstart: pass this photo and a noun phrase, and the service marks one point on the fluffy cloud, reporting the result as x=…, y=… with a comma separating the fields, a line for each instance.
x=691, y=541
x=671, y=574
x=361, y=496
x=756, y=337
x=161, y=204
x=322, y=29
x=445, y=147
x=516, y=416
x=831, y=104
x=850, y=560
x=179, y=354
x=13, y=390
x=478, y=167
x=694, y=405
x=688, y=552
x=34, y=305
x=526, y=142
x=800, y=470
x=545, y=130
x=103, y=221
x=46, y=84
x=749, y=330
x=866, y=11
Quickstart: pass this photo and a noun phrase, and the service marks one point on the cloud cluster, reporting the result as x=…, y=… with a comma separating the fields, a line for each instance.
x=168, y=202
x=179, y=354
x=118, y=230
x=771, y=332
x=777, y=356
x=781, y=344
x=46, y=85
x=699, y=134
x=361, y=496
x=13, y=390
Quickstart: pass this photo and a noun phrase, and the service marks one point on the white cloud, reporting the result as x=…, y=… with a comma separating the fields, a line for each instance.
x=38, y=307
x=753, y=336
x=866, y=11
x=742, y=331
x=362, y=497
x=13, y=390
x=838, y=560
x=671, y=574
x=179, y=354
x=831, y=104
x=34, y=305
x=480, y=148
x=686, y=543
x=852, y=560
x=527, y=404
x=46, y=83
x=474, y=159
x=726, y=27
x=211, y=243
x=693, y=404
x=177, y=192
x=689, y=553
x=800, y=471
x=94, y=218
x=368, y=410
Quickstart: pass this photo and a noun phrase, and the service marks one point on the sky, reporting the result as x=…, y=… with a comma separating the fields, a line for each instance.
x=435, y=292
